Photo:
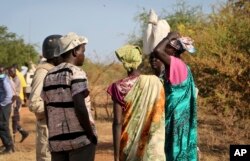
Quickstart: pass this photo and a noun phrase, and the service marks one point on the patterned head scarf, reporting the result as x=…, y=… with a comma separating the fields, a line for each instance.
x=183, y=44
x=130, y=56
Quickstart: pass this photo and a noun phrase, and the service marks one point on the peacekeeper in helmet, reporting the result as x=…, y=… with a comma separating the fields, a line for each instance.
x=50, y=51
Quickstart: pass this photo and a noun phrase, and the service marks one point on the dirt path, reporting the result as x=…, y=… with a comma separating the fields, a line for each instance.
x=26, y=151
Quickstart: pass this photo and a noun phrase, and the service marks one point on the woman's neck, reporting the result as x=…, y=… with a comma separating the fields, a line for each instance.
x=134, y=72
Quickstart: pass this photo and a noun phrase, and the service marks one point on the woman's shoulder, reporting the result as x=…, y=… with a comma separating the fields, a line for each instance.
x=126, y=80
x=150, y=78
x=125, y=84
x=178, y=71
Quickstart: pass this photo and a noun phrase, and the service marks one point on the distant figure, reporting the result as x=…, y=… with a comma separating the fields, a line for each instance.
x=23, y=84
x=36, y=103
x=138, y=105
x=16, y=106
x=72, y=132
x=6, y=95
x=24, y=69
x=181, y=112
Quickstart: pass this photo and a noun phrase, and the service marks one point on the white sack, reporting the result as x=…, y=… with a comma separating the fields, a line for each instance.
x=155, y=32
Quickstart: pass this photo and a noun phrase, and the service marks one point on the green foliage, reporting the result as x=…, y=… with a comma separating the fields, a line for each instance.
x=14, y=50
x=184, y=14
x=221, y=64
x=223, y=45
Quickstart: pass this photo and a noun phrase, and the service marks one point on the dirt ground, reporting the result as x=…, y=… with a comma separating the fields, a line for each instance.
x=26, y=151
x=215, y=135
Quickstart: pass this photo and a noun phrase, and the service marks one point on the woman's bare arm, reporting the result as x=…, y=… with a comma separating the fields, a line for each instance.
x=117, y=127
x=160, y=51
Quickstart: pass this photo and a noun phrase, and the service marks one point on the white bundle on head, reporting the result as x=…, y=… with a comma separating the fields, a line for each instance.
x=152, y=18
x=155, y=32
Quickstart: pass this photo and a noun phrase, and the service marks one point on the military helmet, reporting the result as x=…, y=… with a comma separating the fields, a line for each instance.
x=51, y=46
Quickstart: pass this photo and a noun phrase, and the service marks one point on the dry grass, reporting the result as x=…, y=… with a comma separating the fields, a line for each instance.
x=217, y=133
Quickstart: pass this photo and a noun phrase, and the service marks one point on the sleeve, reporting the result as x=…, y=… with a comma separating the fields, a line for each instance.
x=9, y=93
x=111, y=90
x=178, y=71
x=116, y=95
x=36, y=102
x=12, y=85
x=79, y=82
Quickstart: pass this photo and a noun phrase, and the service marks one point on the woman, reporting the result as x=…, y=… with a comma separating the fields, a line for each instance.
x=181, y=114
x=138, y=125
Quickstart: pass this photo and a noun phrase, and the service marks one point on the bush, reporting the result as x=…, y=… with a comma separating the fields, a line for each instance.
x=14, y=50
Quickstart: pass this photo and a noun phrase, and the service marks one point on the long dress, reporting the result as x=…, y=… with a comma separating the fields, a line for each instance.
x=143, y=130
x=181, y=114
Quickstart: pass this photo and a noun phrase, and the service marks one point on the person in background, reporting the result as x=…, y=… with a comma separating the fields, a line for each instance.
x=23, y=84
x=36, y=104
x=138, y=105
x=72, y=132
x=17, y=105
x=24, y=69
x=181, y=111
x=6, y=96
x=157, y=66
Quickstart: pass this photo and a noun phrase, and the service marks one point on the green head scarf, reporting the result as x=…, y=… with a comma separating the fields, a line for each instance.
x=130, y=56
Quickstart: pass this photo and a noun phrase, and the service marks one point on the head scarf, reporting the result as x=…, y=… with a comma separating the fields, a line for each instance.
x=183, y=44
x=130, y=56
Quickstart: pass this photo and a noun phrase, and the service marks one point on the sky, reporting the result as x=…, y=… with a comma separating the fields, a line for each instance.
x=106, y=23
